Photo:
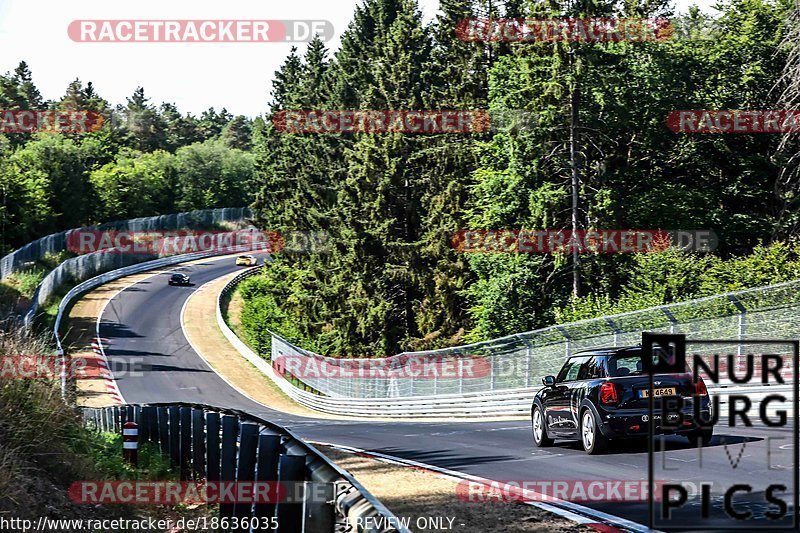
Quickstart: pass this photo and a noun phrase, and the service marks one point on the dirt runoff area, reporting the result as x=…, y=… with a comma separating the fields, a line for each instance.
x=430, y=501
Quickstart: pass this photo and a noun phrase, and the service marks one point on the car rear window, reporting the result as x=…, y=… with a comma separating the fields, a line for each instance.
x=628, y=365
x=625, y=365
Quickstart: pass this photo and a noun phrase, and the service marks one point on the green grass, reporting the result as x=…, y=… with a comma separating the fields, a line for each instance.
x=25, y=282
x=106, y=453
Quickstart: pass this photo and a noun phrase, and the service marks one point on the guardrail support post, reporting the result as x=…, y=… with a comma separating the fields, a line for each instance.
x=528, y=358
x=491, y=373
x=212, y=446
x=174, y=435
x=269, y=449
x=62, y=365
x=230, y=433
x=117, y=420
x=742, y=324
x=673, y=322
x=198, y=444
x=460, y=375
x=246, y=471
x=150, y=423
x=163, y=430
x=104, y=419
x=318, y=512
x=186, y=443
x=291, y=474
x=567, y=340
x=615, y=329
x=144, y=425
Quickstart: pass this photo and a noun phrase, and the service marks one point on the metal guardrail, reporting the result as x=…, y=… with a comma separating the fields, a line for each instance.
x=87, y=265
x=57, y=242
x=491, y=403
x=216, y=444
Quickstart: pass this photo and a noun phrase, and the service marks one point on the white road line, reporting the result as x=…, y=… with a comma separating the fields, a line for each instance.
x=571, y=511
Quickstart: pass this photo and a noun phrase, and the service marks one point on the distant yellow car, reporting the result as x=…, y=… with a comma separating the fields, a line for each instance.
x=246, y=260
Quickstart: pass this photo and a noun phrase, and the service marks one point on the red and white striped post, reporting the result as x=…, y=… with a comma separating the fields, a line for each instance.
x=130, y=443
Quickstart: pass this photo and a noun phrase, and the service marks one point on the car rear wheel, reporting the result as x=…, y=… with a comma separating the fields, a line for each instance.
x=594, y=442
x=540, y=437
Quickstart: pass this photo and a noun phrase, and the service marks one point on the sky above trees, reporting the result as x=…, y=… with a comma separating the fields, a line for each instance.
x=193, y=76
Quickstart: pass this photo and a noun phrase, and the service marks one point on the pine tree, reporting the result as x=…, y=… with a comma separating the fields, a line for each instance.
x=237, y=133
x=143, y=123
x=24, y=80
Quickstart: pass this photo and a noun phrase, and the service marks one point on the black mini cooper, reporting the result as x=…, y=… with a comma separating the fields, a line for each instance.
x=602, y=395
x=179, y=279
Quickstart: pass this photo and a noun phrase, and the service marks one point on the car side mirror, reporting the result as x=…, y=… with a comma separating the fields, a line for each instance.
x=548, y=381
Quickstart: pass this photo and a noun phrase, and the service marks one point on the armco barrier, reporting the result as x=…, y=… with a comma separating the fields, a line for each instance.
x=498, y=403
x=88, y=265
x=214, y=444
x=57, y=242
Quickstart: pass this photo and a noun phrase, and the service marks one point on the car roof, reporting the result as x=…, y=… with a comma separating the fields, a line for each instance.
x=622, y=350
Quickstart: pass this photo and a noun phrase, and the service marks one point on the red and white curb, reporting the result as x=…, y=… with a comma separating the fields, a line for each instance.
x=574, y=512
x=98, y=347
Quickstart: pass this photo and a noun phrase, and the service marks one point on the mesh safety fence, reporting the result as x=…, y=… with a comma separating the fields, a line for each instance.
x=520, y=361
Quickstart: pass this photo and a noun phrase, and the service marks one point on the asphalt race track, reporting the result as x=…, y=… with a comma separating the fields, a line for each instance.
x=142, y=325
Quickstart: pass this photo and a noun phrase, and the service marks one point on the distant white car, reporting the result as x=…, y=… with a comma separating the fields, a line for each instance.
x=246, y=260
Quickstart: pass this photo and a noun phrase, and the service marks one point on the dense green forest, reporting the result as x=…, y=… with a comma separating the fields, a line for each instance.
x=391, y=202
x=145, y=160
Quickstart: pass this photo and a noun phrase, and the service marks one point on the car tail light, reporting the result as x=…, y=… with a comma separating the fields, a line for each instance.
x=608, y=393
x=700, y=387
